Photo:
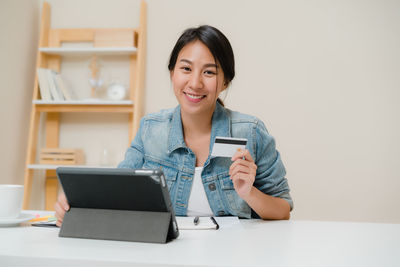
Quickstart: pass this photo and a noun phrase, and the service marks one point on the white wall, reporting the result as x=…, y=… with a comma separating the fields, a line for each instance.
x=322, y=75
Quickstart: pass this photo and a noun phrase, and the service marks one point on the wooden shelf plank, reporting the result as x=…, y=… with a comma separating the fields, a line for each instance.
x=53, y=167
x=84, y=102
x=124, y=106
x=84, y=108
x=88, y=50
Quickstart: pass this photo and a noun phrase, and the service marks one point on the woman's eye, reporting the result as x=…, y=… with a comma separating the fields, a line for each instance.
x=185, y=68
x=209, y=72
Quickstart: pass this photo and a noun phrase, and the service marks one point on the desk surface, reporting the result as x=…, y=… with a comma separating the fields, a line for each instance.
x=250, y=243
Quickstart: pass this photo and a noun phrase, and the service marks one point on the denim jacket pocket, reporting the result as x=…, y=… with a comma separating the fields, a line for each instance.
x=236, y=205
x=169, y=173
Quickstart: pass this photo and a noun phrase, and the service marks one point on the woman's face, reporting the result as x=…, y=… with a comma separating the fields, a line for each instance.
x=197, y=79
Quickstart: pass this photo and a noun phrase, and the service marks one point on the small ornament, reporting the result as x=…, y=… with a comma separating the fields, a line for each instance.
x=95, y=81
x=116, y=91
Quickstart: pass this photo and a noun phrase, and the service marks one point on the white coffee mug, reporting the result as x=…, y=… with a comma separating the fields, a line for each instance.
x=10, y=200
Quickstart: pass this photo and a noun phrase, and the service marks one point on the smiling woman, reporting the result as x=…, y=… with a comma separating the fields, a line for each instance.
x=216, y=43
x=197, y=80
x=250, y=184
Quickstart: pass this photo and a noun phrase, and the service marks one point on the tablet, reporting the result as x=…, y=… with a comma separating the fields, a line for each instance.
x=118, y=189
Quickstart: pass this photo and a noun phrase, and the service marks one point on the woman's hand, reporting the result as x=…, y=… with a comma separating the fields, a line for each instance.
x=243, y=172
x=61, y=207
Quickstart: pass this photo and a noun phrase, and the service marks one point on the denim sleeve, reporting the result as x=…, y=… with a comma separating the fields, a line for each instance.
x=270, y=176
x=134, y=155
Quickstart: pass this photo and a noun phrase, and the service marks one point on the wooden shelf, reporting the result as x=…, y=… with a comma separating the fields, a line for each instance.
x=124, y=106
x=62, y=51
x=56, y=45
x=53, y=167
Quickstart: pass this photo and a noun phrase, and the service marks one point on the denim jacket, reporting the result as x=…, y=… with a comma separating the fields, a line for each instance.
x=159, y=143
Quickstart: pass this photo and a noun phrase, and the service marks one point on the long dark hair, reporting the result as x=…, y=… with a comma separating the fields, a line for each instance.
x=215, y=41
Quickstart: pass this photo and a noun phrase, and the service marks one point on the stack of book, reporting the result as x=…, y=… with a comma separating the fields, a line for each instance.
x=52, y=87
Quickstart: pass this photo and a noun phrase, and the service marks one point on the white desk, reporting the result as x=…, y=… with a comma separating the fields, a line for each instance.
x=252, y=243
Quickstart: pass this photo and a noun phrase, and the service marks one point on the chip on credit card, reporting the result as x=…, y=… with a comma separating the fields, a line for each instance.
x=227, y=146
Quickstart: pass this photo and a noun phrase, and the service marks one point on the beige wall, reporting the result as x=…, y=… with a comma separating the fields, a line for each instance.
x=322, y=75
x=19, y=22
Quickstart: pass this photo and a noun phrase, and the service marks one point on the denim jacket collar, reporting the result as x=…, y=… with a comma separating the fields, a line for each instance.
x=221, y=126
x=175, y=137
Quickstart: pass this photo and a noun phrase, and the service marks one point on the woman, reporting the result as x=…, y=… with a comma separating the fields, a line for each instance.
x=179, y=141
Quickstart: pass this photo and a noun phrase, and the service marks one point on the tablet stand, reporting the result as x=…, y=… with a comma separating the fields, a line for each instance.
x=122, y=225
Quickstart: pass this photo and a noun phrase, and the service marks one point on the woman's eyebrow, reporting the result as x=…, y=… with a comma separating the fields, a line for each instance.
x=210, y=65
x=186, y=60
x=205, y=65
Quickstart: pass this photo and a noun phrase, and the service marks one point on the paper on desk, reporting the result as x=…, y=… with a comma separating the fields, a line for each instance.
x=228, y=221
x=205, y=223
x=45, y=221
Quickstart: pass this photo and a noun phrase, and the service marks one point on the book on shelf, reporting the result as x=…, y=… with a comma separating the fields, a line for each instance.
x=55, y=93
x=44, y=86
x=64, y=90
x=52, y=86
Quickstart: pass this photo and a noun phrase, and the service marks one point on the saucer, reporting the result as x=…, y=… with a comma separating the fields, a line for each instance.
x=23, y=217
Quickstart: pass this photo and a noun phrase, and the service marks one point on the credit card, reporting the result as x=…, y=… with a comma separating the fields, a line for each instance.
x=227, y=146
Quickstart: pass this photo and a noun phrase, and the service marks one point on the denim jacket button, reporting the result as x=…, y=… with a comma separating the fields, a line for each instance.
x=221, y=213
x=211, y=187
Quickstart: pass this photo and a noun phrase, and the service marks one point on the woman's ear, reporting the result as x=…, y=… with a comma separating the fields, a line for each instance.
x=171, y=73
x=225, y=85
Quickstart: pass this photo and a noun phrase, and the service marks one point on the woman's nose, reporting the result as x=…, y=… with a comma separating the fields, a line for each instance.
x=196, y=81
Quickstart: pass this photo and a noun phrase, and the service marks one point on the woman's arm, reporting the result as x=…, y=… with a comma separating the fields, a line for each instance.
x=268, y=207
x=243, y=172
x=61, y=207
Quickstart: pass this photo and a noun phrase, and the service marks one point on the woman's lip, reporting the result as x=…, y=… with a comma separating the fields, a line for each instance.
x=193, y=100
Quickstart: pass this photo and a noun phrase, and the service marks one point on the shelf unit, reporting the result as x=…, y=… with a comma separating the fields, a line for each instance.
x=50, y=55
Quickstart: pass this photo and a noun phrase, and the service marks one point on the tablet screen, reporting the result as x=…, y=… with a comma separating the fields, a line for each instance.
x=118, y=189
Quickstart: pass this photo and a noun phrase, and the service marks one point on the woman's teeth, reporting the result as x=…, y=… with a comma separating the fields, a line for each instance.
x=194, y=96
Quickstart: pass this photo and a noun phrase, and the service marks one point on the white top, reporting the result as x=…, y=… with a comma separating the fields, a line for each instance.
x=198, y=203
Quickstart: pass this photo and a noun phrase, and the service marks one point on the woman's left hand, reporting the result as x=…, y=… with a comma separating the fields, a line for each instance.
x=243, y=172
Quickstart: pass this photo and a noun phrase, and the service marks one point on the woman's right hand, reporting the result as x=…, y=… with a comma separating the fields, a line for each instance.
x=61, y=207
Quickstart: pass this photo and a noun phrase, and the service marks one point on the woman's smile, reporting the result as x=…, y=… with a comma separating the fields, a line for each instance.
x=194, y=98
